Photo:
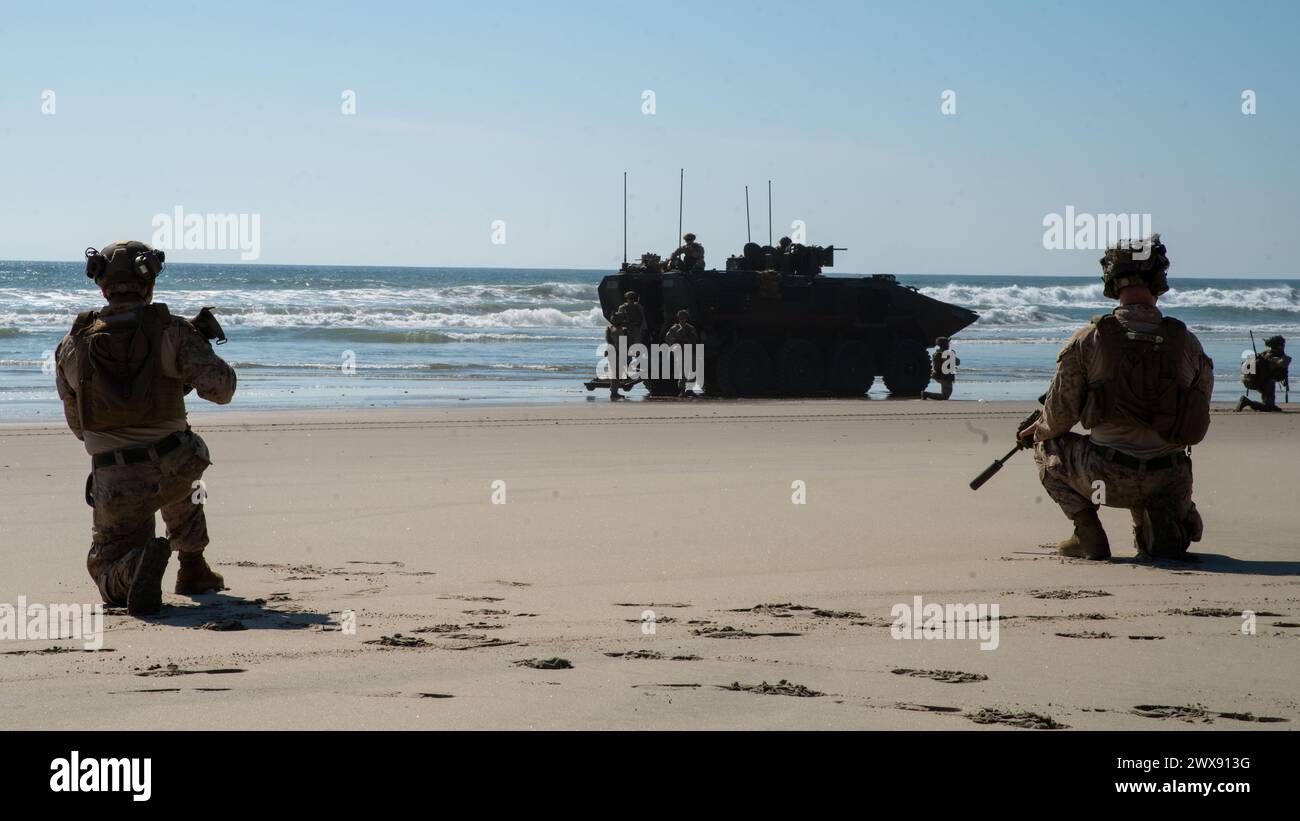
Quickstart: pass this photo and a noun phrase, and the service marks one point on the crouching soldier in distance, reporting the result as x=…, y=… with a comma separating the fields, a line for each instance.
x=1263, y=373
x=1141, y=384
x=943, y=369
x=122, y=373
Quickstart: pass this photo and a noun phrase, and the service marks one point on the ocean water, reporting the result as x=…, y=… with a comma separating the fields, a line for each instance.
x=420, y=336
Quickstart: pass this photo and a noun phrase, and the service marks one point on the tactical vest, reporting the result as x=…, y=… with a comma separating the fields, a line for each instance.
x=121, y=380
x=1139, y=383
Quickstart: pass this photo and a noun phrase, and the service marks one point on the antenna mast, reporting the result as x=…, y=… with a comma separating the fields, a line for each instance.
x=748, y=238
x=769, y=212
x=681, y=198
x=625, y=218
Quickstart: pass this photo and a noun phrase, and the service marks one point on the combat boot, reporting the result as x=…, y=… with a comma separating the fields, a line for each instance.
x=145, y=595
x=196, y=577
x=1089, y=540
x=1162, y=536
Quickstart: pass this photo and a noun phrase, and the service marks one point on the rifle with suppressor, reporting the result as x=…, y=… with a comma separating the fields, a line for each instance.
x=1021, y=444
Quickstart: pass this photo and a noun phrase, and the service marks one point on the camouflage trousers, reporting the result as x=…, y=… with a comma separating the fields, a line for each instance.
x=126, y=498
x=1268, y=393
x=1070, y=469
x=945, y=387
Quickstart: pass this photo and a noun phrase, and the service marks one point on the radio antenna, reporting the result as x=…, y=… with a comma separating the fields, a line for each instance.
x=769, y=212
x=748, y=238
x=625, y=218
x=681, y=199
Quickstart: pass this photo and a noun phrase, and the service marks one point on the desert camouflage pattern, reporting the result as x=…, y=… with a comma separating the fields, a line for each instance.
x=126, y=498
x=1080, y=363
x=1069, y=467
x=186, y=355
x=688, y=257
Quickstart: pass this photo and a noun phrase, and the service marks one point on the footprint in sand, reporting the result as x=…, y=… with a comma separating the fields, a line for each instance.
x=1194, y=713
x=158, y=670
x=926, y=708
x=781, y=688
x=945, y=676
x=1217, y=612
x=1027, y=720
x=50, y=651
x=398, y=640
x=1086, y=634
x=1147, y=638
x=650, y=654
x=732, y=633
x=652, y=604
x=1067, y=594
x=554, y=663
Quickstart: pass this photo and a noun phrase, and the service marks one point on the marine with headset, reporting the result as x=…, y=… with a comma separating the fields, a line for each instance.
x=122, y=373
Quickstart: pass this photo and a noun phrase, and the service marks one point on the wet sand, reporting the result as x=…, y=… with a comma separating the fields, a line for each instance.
x=683, y=509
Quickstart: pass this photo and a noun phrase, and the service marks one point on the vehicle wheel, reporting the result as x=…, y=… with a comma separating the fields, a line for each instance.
x=800, y=367
x=746, y=369
x=853, y=368
x=909, y=371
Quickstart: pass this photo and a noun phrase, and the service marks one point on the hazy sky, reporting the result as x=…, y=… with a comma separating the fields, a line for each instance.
x=529, y=113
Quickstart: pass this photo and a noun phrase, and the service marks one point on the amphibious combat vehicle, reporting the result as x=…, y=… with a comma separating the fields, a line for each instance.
x=771, y=324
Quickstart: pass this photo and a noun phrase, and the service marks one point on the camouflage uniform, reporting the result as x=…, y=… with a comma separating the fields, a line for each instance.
x=1270, y=367
x=938, y=374
x=126, y=496
x=688, y=257
x=681, y=333
x=1069, y=463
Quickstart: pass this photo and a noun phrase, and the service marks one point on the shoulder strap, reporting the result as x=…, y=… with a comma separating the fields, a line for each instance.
x=83, y=321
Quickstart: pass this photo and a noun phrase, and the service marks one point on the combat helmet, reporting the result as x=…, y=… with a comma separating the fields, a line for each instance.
x=942, y=341
x=631, y=296
x=683, y=315
x=689, y=237
x=1135, y=262
x=125, y=266
x=1275, y=342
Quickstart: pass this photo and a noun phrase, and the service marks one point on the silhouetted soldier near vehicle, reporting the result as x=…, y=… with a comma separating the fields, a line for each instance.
x=682, y=334
x=943, y=369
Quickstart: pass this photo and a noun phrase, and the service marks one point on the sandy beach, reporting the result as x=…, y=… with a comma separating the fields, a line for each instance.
x=491, y=536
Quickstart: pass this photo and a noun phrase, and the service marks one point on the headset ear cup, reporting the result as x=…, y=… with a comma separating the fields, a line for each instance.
x=149, y=264
x=96, y=263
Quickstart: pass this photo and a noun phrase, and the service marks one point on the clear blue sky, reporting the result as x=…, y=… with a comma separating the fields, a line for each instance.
x=529, y=113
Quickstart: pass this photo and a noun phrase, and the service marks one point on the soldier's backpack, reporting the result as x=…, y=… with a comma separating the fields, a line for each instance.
x=1140, y=385
x=1251, y=374
x=121, y=381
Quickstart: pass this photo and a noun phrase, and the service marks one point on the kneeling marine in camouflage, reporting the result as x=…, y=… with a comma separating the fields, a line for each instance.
x=122, y=373
x=1140, y=383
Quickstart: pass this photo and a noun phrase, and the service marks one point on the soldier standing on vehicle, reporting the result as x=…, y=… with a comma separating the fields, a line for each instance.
x=943, y=369
x=1141, y=383
x=122, y=373
x=1263, y=373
